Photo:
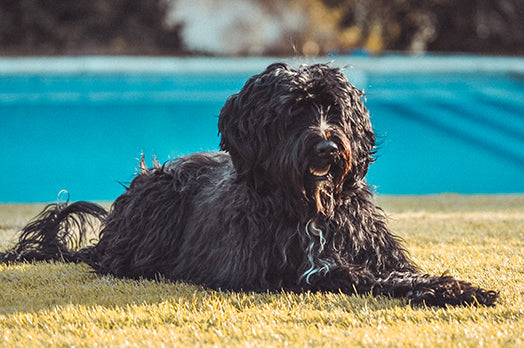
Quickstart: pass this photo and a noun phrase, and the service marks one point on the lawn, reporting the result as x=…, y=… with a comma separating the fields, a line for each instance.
x=477, y=238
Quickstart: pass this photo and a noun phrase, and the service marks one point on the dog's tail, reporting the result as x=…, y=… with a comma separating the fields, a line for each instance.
x=60, y=232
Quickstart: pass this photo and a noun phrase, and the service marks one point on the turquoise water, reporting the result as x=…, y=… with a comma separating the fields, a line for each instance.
x=83, y=129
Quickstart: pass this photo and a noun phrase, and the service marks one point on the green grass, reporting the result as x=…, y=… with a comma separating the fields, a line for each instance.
x=478, y=238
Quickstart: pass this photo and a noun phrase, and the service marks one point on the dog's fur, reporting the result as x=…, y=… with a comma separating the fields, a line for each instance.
x=284, y=206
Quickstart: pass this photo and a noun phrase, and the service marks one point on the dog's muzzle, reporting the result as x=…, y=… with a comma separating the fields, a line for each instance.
x=324, y=153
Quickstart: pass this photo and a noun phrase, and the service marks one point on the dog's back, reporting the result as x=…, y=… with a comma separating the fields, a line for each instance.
x=147, y=226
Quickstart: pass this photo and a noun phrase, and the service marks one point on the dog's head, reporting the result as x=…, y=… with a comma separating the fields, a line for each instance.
x=306, y=130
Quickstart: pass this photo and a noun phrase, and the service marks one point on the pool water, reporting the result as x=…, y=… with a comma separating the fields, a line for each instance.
x=83, y=131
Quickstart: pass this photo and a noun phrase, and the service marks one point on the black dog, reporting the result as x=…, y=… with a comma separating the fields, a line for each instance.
x=285, y=206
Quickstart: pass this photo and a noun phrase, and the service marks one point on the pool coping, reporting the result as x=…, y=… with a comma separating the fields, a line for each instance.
x=207, y=65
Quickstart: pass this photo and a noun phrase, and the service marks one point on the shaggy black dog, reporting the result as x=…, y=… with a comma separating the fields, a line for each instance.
x=284, y=206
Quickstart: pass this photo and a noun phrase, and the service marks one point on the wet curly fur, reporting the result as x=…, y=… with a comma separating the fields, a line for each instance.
x=285, y=205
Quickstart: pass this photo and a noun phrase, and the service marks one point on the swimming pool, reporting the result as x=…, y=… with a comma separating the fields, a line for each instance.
x=445, y=124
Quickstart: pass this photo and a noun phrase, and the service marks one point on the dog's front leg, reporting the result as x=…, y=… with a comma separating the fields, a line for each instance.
x=417, y=288
x=347, y=279
x=434, y=291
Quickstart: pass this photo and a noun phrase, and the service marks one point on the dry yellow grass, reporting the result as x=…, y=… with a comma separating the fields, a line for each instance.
x=480, y=238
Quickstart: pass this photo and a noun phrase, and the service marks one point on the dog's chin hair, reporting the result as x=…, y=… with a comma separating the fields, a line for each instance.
x=322, y=199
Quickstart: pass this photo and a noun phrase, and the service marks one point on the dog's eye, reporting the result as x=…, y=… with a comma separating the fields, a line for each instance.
x=299, y=116
x=333, y=118
x=302, y=121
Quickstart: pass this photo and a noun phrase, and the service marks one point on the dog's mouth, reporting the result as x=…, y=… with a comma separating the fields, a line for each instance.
x=320, y=172
x=324, y=154
x=324, y=163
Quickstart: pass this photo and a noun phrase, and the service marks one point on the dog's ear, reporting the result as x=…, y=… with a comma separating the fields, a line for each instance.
x=242, y=121
x=234, y=131
x=361, y=133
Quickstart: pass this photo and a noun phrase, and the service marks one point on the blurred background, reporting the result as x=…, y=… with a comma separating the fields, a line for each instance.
x=260, y=27
x=87, y=86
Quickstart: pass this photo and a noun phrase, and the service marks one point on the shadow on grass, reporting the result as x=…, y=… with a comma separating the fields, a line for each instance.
x=35, y=287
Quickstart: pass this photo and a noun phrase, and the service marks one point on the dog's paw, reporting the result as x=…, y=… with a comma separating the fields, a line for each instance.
x=442, y=291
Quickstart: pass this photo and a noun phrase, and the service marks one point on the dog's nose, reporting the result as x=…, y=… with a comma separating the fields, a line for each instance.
x=326, y=148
